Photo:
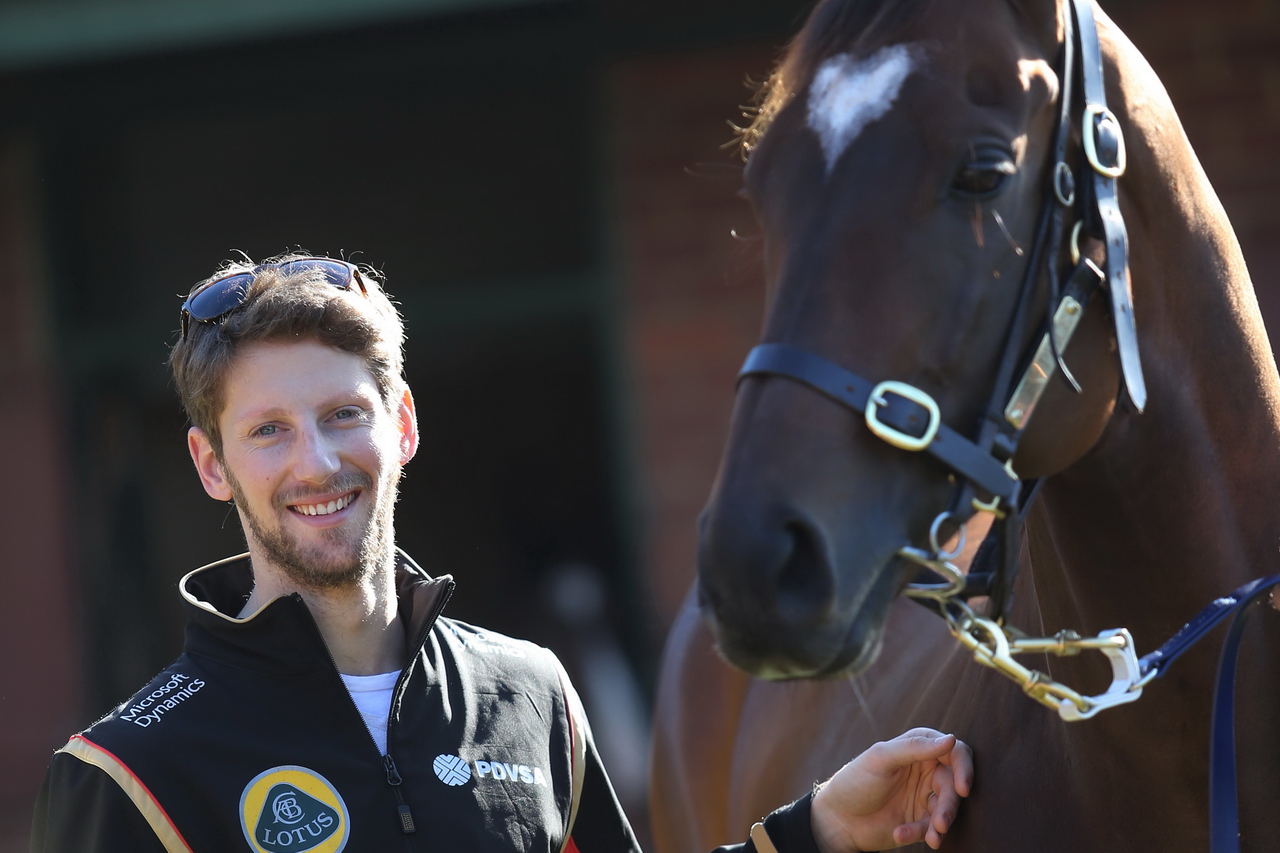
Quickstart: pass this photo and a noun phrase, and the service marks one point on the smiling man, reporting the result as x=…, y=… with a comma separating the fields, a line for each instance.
x=322, y=702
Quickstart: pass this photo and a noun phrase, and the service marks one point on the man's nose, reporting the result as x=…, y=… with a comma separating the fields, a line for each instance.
x=317, y=457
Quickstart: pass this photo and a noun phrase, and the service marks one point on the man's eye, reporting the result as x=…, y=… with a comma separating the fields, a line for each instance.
x=265, y=430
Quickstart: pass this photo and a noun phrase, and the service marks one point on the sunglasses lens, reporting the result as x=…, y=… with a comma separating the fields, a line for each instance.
x=337, y=273
x=219, y=298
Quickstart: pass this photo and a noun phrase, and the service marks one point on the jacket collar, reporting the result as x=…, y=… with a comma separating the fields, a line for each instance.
x=282, y=637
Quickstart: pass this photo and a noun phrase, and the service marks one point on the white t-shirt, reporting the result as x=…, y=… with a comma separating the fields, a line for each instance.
x=372, y=695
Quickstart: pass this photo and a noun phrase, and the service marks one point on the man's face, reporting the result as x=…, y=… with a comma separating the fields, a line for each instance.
x=312, y=458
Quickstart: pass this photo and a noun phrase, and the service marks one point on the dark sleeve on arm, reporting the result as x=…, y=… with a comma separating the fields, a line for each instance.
x=601, y=825
x=788, y=829
x=82, y=810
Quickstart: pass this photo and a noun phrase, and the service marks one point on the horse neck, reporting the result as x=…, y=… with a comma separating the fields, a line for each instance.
x=1169, y=502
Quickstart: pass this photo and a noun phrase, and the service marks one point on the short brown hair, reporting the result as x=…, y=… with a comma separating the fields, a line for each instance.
x=302, y=305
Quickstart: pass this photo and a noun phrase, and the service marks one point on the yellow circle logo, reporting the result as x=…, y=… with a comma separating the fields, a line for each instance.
x=291, y=809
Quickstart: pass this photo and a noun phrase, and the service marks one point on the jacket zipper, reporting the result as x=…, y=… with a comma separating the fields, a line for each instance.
x=407, y=824
x=394, y=780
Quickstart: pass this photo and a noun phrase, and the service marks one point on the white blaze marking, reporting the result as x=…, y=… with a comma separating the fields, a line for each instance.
x=847, y=95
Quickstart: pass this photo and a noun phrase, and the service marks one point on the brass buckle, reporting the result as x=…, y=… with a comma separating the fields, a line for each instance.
x=894, y=436
x=1090, y=133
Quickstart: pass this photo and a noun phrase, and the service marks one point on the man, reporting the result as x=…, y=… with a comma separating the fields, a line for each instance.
x=322, y=702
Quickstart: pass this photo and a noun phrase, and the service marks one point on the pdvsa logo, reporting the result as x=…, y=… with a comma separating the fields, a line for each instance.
x=454, y=771
x=293, y=809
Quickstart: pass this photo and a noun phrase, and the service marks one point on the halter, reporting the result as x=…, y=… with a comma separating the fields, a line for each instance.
x=907, y=418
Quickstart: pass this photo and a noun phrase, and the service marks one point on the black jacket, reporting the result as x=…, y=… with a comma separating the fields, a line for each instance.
x=249, y=741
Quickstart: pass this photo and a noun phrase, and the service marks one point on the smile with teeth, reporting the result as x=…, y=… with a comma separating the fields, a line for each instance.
x=325, y=508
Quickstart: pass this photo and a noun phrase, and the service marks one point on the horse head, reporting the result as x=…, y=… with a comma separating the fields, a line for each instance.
x=903, y=174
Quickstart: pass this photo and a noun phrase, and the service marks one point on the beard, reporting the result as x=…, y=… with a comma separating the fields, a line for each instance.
x=345, y=557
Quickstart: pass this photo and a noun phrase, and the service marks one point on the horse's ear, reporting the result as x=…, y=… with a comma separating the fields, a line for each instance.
x=1044, y=19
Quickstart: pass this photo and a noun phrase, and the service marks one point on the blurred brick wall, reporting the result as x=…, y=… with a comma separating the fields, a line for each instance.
x=39, y=643
x=692, y=292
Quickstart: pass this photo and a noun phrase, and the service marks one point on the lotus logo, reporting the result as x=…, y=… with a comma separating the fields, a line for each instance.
x=293, y=809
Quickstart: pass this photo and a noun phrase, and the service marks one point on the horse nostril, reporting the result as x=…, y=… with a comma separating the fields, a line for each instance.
x=805, y=584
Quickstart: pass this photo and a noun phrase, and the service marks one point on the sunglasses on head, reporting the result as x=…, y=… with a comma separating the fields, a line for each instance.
x=215, y=299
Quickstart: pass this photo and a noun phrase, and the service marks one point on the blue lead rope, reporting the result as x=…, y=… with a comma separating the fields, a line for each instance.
x=1224, y=810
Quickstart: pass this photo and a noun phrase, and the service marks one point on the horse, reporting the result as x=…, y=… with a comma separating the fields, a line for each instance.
x=917, y=194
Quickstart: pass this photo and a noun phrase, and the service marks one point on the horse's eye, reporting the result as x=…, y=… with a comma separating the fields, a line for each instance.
x=983, y=176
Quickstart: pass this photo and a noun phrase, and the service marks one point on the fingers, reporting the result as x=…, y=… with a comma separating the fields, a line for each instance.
x=911, y=747
x=930, y=743
x=944, y=802
x=910, y=833
x=960, y=758
x=920, y=830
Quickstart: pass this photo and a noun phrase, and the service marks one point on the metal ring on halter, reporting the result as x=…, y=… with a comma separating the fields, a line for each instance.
x=1064, y=184
x=1075, y=242
x=935, y=529
x=992, y=507
x=944, y=592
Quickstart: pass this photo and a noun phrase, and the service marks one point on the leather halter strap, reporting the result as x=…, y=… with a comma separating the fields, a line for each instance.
x=903, y=415
x=1104, y=149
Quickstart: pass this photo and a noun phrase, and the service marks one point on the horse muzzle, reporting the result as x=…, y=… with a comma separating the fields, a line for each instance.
x=778, y=606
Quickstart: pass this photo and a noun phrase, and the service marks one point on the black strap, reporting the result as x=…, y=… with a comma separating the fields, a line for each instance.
x=852, y=391
x=1106, y=203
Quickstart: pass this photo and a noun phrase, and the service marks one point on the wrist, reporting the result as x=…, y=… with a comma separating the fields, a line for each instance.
x=829, y=834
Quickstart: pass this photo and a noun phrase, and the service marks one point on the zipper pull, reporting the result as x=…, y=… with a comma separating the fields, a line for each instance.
x=407, y=826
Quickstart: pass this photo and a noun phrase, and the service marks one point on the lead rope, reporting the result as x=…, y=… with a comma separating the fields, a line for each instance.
x=1224, y=809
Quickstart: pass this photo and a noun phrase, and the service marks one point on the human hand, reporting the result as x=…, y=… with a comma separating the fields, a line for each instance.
x=897, y=792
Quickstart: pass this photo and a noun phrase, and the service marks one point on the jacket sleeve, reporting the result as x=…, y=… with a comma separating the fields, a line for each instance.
x=81, y=809
x=788, y=830
x=601, y=825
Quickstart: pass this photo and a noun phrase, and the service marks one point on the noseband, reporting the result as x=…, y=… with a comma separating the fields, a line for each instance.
x=907, y=418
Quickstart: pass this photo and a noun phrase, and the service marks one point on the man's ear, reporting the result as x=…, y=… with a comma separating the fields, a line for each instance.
x=207, y=465
x=408, y=416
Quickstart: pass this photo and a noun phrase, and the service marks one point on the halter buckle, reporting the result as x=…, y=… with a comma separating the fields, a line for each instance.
x=893, y=435
x=1092, y=129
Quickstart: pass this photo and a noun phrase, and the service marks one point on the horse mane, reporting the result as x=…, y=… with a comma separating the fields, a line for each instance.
x=859, y=26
